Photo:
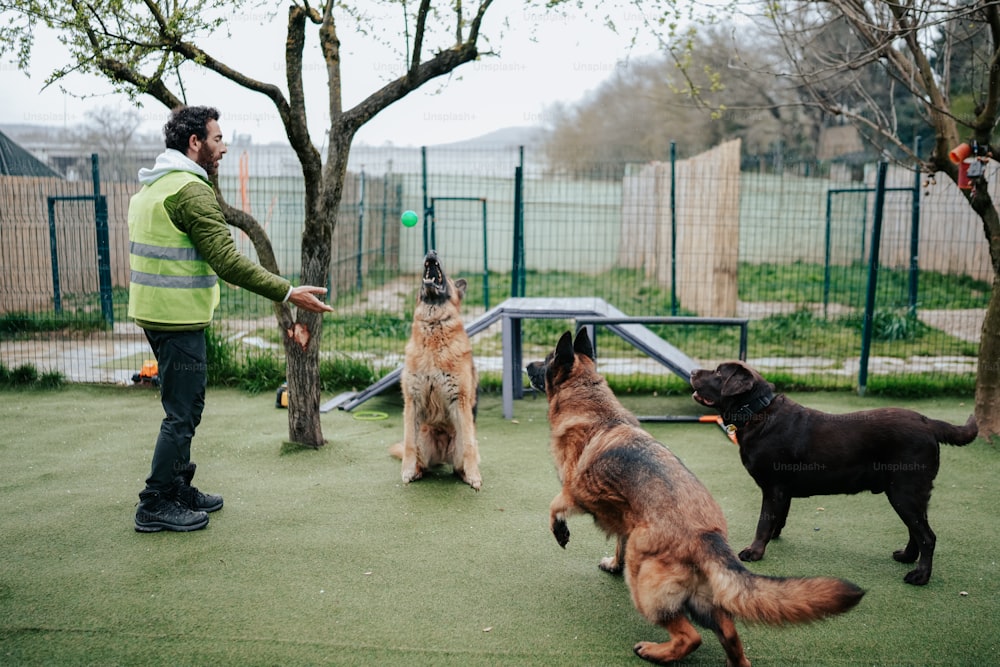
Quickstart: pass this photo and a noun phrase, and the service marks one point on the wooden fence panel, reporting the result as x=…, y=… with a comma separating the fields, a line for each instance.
x=707, y=211
x=26, y=282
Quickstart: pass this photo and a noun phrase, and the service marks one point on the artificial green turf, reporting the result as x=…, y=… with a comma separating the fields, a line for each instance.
x=325, y=557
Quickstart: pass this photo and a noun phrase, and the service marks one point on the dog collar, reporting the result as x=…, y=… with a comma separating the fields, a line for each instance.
x=745, y=413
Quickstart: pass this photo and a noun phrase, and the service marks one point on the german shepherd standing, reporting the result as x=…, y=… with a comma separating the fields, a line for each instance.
x=671, y=533
x=439, y=383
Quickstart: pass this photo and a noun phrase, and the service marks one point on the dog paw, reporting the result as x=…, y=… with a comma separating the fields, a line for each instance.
x=640, y=649
x=917, y=577
x=904, y=556
x=411, y=475
x=561, y=532
x=475, y=481
x=651, y=651
x=610, y=565
x=749, y=555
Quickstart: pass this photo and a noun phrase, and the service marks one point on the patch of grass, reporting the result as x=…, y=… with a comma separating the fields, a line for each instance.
x=260, y=372
x=221, y=354
x=351, y=331
x=27, y=376
x=318, y=554
x=89, y=304
x=912, y=386
x=21, y=325
x=24, y=375
x=263, y=371
x=796, y=326
x=804, y=283
x=889, y=325
x=347, y=373
x=648, y=385
x=51, y=380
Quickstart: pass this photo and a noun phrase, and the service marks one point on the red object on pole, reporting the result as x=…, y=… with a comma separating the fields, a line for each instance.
x=959, y=153
x=963, y=176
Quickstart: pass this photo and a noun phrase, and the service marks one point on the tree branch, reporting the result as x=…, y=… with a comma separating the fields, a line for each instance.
x=419, y=73
x=295, y=122
x=418, y=38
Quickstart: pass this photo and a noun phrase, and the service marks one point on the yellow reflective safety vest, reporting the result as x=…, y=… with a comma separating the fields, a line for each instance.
x=170, y=283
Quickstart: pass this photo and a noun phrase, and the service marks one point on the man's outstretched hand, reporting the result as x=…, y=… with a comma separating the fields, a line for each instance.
x=306, y=296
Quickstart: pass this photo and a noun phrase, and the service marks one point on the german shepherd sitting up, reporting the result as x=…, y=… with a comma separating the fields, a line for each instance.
x=439, y=383
x=671, y=534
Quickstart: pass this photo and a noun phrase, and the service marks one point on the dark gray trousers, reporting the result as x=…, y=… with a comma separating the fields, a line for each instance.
x=182, y=368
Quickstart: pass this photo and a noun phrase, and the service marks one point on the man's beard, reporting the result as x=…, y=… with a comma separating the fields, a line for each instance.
x=205, y=160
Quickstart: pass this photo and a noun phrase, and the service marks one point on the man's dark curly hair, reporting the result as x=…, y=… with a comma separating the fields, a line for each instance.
x=185, y=121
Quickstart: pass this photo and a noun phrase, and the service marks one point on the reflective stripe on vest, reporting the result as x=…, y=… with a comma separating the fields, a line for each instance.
x=173, y=282
x=169, y=282
x=159, y=252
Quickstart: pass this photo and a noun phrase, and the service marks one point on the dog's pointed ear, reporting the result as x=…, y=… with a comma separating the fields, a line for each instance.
x=738, y=380
x=582, y=344
x=460, y=286
x=564, y=349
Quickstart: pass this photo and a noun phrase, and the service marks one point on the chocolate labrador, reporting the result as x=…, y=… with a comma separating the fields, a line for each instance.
x=792, y=451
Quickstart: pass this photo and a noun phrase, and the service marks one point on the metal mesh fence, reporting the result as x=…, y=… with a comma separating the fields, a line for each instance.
x=709, y=236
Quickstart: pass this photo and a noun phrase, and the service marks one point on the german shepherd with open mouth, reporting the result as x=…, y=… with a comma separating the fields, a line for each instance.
x=439, y=383
x=672, y=542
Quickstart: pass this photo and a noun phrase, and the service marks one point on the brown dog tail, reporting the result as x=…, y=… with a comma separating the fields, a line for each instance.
x=772, y=600
x=396, y=450
x=955, y=435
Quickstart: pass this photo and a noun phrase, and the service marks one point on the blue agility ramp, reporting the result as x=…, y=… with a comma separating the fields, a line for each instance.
x=588, y=312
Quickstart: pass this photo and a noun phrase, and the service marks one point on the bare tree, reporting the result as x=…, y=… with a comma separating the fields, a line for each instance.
x=138, y=44
x=111, y=132
x=714, y=87
x=910, y=49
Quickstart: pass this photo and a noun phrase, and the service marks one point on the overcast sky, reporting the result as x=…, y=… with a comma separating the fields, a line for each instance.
x=568, y=58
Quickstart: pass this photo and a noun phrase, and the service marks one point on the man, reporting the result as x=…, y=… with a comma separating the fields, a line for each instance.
x=179, y=247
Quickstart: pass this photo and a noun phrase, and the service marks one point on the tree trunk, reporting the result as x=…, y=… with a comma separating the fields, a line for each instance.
x=988, y=377
x=302, y=362
x=302, y=340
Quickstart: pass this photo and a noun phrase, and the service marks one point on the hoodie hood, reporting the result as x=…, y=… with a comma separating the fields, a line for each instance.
x=168, y=161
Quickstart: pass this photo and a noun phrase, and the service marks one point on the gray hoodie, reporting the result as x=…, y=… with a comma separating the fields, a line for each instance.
x=168, y=161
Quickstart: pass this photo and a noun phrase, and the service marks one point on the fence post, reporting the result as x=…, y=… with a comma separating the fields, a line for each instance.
x=103, y=245
x=428, y=213
x=826, y=255
x=486, y=259
x=866, y=329
x=359, y=264
x=517, y=270
x=673, y=228
x=54, y=253
x=915, y=232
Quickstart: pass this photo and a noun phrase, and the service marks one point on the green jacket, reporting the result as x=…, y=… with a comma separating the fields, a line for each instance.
x=194, y=211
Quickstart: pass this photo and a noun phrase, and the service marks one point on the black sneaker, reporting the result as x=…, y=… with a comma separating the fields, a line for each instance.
x=158, y=511
x=190, y=497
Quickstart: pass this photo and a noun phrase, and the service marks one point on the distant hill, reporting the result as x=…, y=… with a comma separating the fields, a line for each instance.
x=505, y=137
